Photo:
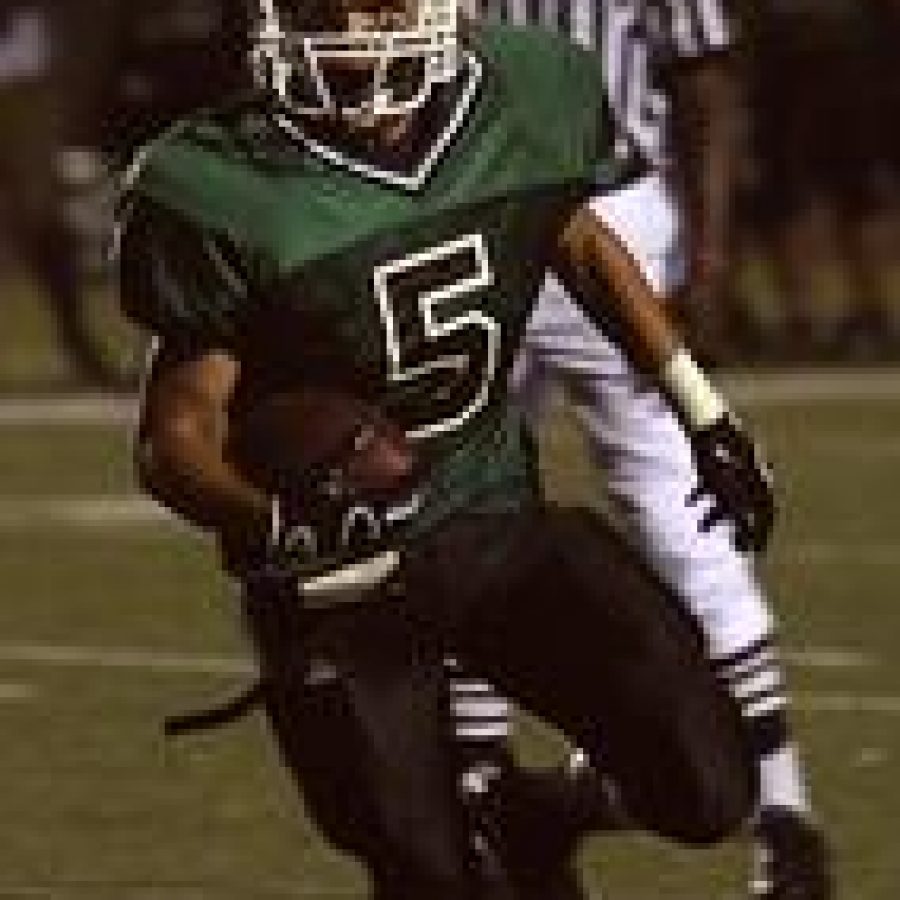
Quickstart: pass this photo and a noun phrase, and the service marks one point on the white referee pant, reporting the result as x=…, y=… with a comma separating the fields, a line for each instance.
x=640, y=445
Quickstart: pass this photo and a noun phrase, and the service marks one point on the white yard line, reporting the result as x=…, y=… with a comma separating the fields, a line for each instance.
x=117, y=516
x=836, y=702
x=753, y=388
x=14, y=692
x=81, y=512
x=82, y=409
x=199, y=890
x=819, y=553
x=812, y=386
x=830, y=658
x=838, y=446
x=115, y=511
x=155, y=891
x=144, y=658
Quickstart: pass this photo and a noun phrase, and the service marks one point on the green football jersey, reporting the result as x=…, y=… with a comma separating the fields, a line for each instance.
x=411, y=285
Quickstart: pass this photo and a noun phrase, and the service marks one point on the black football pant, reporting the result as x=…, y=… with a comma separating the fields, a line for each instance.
x=561, y=615
x=358, y=703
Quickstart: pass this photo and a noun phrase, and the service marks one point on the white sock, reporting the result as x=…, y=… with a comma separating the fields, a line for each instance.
x=781, y=780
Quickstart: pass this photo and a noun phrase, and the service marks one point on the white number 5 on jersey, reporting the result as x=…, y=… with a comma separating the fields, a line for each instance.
x=425, y=341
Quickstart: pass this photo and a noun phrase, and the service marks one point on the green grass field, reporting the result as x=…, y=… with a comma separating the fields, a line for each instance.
x=110, y=620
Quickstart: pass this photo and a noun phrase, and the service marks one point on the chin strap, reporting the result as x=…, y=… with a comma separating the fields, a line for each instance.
x=354, y=582
x=216, y=716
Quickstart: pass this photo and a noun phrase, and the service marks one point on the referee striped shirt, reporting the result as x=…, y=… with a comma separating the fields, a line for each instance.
x=638, y=40
x=25, y=45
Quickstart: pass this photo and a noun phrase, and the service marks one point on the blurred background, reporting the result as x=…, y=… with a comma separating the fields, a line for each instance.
x=111, y=618
x=816, y=273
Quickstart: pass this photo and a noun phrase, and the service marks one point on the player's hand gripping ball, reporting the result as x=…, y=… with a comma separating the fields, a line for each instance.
x=321, y=452
x=313, y=440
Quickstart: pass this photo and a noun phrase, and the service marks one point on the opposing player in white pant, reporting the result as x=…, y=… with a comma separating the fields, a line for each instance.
x=679, y=244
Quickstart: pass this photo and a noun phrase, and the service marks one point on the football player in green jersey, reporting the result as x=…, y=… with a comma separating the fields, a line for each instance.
x=373, y=224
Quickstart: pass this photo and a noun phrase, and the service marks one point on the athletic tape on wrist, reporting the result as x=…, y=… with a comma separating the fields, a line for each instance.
x=698, y=400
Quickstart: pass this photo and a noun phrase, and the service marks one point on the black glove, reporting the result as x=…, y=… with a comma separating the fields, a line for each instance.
x=732, y=472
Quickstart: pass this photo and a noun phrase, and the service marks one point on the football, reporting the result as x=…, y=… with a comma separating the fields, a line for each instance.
x=297, y=439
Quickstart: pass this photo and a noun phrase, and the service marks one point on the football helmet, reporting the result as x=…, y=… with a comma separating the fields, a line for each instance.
x=362, y=59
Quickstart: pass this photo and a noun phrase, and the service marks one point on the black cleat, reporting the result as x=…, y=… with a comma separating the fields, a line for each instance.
x=543, y=816
x=792, y=859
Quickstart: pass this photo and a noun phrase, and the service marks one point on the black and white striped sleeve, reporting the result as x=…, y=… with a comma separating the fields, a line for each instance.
x=695, y=27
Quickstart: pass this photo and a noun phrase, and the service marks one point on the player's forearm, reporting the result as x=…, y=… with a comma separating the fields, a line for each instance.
x=182, y=452
x=603, y=274
x=185, y=471
x=600, y=271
